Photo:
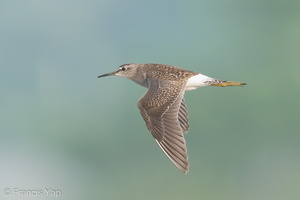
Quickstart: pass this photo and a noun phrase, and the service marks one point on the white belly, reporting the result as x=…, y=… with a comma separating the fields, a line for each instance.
x=198, y=80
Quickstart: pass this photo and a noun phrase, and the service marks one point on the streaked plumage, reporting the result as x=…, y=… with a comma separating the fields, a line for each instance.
x=163, y=107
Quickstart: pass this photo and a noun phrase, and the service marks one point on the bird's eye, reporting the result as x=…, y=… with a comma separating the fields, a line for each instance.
x=123, y=68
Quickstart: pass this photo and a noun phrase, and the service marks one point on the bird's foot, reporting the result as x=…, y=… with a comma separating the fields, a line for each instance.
x=228, y=83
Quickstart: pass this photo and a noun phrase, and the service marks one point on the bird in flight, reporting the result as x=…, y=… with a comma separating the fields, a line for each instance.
x=163, y=107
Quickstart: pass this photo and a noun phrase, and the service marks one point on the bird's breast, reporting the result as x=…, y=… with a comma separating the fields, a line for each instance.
x=142, y=82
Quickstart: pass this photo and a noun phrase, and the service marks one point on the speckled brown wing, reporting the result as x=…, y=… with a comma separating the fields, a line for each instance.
x=164, y=112
x=183, y=117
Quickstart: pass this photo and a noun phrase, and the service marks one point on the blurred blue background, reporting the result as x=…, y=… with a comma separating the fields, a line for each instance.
x=64, y=129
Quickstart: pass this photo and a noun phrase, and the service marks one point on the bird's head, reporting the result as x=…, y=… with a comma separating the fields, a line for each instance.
x=126, y=70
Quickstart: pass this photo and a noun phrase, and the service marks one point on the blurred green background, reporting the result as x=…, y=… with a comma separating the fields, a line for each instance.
x=62, y=128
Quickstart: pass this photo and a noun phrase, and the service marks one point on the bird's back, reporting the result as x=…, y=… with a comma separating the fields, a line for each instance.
x=167, y=72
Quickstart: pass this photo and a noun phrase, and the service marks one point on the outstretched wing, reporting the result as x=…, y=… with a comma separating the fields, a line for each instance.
x=183, y=117
x=164, y=112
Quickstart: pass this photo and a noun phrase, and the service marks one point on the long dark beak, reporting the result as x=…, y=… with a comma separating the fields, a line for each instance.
x=108, y=74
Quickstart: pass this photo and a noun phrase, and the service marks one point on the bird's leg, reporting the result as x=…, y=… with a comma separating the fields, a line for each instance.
x=228, y=83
